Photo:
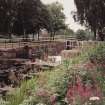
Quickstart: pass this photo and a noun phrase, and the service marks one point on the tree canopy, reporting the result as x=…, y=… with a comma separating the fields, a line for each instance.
x=23, y=16
x=81, y=34
x=57, y=17
x=91, y=14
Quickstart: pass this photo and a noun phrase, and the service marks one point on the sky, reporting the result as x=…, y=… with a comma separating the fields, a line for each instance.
x=69, y=6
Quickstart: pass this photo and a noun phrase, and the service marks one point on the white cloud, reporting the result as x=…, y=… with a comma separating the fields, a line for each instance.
x=69, y=6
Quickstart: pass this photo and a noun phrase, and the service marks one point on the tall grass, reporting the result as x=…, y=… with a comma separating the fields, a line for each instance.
x=21, y=93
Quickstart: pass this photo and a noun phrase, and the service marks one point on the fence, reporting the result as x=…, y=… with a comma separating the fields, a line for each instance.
x=69, y=43
x=81, y=44
x=20, y=42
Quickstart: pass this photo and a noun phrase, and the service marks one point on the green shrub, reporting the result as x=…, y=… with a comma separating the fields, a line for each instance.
x=98, y=55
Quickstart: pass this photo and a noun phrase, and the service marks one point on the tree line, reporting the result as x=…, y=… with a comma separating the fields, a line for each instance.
x=91, y=13
x=23, y=17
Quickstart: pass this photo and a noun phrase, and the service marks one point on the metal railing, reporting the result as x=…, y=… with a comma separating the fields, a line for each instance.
x=20, y=42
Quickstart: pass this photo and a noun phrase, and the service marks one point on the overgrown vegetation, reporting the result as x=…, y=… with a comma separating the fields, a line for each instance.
x=53, y=87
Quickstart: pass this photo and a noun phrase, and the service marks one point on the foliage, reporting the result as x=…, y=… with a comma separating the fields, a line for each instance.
x=2, y=102
x=91, y=14
x=81, y=35
x=98, y=55
x=84, y=34
x=57, y=17
x=20, y=94
x=51, y=86
x=23, y=16
x=69, y=32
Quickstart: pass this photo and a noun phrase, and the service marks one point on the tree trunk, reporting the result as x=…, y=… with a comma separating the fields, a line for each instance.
x=33, y=36
x=54, y=35
x=10, y=35
x=101, y=36
x=95, y=34
x=51, y=35
x=9, y=32
x=38, y=34
x=25, y=35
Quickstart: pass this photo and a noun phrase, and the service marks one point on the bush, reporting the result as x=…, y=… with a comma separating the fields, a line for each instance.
x=98, y=55
x=81, y=35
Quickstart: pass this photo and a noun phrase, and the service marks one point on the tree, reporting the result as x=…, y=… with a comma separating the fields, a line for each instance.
x=8, y=12
x=69, y=31
x=81, y=35
x=41, y=19
x=23, y=17
x=91, y=14
x=84, y=34
x=30, y=16
x=57, y=17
